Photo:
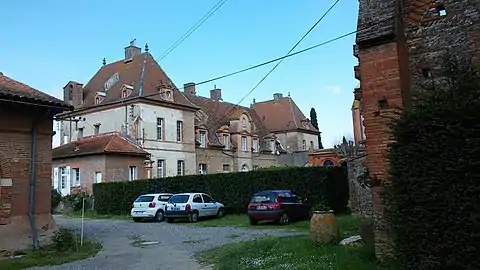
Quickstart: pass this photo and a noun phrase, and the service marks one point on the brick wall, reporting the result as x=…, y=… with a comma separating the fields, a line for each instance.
x=15, y=151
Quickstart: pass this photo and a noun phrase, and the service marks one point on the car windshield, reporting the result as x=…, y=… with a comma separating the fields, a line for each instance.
x=264, y=197
x=179, y=199
x=164, y=198
x=144, y=199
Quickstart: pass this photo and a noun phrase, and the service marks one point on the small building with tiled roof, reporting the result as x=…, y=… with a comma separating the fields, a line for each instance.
x=229, y=138
x=282, y=117
x=26, y=124
x=135, y=97
x=100, y=158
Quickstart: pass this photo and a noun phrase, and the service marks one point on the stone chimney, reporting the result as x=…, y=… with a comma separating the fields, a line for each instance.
x=189, y=88
x=216, y=94
x=132, y=50
x=277, y=96
x=73, y=93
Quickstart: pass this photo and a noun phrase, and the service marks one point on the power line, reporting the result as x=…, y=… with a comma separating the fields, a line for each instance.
x=199, y=23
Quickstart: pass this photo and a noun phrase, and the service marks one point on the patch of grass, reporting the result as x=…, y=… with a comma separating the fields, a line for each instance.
x=296, y=252
x=349, y=225
x=94, y=215
x=50, y=256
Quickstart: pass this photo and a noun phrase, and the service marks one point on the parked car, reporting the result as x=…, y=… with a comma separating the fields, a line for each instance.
x=193, y=206
x=150, y=206
x=281, y=206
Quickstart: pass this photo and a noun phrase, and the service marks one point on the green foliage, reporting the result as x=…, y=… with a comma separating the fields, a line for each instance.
x=64, y=240
x=76, y=201
x=314, y=120
x=232, y=189
x=56, y=198
x=433, y=195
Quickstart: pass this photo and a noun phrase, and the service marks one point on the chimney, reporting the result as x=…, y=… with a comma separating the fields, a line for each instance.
x=277, y=96
x=132, y=50
x=189, y=88
x=73, y=93
x=216, y=94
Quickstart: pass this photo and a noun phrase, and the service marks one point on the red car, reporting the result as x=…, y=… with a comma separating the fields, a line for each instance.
x=277, y=205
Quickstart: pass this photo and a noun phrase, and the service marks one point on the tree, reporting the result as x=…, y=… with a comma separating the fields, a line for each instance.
x=345, y=149
x=434, y=174
x=313, y=119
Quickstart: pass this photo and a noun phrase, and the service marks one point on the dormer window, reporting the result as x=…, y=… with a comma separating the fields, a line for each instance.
x=124, y=93
x=97, y=100
x=99, y=97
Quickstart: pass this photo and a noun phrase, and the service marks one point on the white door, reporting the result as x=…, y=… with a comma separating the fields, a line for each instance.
x=197, y=203
x=210, y=207
x=65, y=180
x=98, y=177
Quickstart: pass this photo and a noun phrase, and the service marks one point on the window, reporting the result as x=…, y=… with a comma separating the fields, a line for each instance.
x=160, y=168
x=160, y=129
x=226, y=142
x=272, y=145
x=441, y=11
x=164, y=198
x=80, y=133
x=98, y=177
x=244, y=144
x=180, y=167
x=97, y=100
x=124, y=93
x=202, y=139
x=96, y=129
x=328, y=163
x=179, y=198
x=304, y=145
x=63, y=177
x=255, y=145
x=207, y=199
x=197, y=198
x=226, y=167
x=202, y=168
x=132, y=173
x=311, y=145
x=75, y=177
x=179, y=131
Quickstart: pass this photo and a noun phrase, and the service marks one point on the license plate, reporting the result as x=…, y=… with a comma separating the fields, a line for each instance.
x=176, y=209
x=138, y=212
x=261, y=207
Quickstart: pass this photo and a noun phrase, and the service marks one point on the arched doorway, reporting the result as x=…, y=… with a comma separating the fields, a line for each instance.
x=328, y=163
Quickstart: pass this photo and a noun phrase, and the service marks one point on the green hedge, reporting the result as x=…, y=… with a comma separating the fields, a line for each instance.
x=435, y=176
x=316, y=184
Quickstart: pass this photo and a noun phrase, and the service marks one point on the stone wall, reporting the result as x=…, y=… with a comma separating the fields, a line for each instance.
x=360, y=196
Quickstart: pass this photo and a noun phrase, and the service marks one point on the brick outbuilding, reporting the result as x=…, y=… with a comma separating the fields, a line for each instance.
x=95, y=159
x=26, y=124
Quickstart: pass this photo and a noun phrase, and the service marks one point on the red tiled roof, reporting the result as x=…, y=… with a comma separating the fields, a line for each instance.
x=217, y=116
x=13, y=90
x=142, y=72
x=282, y=114
x=107, y=143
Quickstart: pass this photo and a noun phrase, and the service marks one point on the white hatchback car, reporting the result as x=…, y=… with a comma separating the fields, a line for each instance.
x=150, y=206
x=193, y=206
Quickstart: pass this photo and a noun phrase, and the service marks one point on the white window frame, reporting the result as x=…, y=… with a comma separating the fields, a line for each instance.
x=202, y=137
x=244, y=143
x=304, y=145
x=202, y=168
x=226, y=141
x=180, y=167
x=132, y=173
x=255, y=144
x=160, y=126
x=75, y=177
x=228, y=167
x=161, y=168
x=179, y=131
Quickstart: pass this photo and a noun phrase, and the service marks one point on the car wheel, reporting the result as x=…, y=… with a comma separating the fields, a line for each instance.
x=284, y=219
x=169, y=220
x=136, y=219
x=159, y=216
x=253, y=221
x=193, y=217
x=220, y=213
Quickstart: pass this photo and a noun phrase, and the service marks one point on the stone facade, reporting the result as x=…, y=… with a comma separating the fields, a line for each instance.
x=360, y=195
x=400, y=46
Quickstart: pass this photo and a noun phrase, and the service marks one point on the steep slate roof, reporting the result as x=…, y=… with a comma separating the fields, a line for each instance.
x=281, y=115
x=142, y=72
x=16, y=91
x=217, y=117
x=107, y=143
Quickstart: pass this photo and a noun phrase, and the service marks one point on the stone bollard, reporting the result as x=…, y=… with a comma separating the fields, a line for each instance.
x=324, y=228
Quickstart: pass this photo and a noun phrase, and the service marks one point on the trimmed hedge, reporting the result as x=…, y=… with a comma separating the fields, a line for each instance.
x=316, y=184
x=433, y=195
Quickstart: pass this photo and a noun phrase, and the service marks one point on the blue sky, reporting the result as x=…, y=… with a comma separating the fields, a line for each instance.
x=47, y=43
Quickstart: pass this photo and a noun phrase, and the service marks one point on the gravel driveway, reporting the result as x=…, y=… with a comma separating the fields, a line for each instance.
x=175, y=248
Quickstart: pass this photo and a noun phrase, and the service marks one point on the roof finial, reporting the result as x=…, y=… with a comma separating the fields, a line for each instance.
x=146, y=47
x=132, y=43
x=289, y=94
x=253, y=100
x=104, y=61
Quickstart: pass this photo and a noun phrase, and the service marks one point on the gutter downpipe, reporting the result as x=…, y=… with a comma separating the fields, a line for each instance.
x=31, y=197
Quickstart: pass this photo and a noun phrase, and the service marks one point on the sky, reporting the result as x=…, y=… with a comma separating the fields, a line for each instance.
x=47, y=43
